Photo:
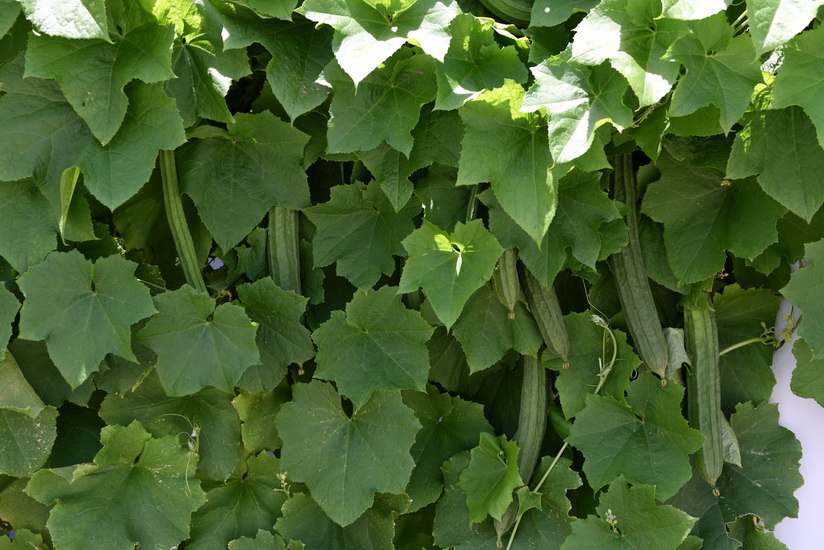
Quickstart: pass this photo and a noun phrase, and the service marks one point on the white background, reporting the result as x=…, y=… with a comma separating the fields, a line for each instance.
x=806, y=419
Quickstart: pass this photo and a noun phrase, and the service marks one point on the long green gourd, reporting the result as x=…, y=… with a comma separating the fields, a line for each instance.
x=627, y=267
x=511, y=11
x=284, y=248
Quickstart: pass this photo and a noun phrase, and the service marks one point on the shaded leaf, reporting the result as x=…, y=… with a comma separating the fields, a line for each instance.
x=491, y=477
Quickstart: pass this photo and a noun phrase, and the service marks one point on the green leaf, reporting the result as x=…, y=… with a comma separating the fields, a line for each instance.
x=377, y=344
x=139, y=490
x=753, y=536
x=300, y=52
x=704, y=215
x=281, y=338
x=205, y=419
x=444, y=202
x=720, y=70
x=578, y=100
x=474, y=62
x=449, y=267
x=794, y=84
x=359, y=230
x=449, y=425
x=26, y=439
x=249, y=500
x=258, y=413
x=27, y=226
x=519, y=173
x=19, y=509
x=549, y=13
x=693, y=9
x=70, y=18
x=96, y=90
x=781, y=147
x=491, y=477
x=647, y=442
x=630, y=518
x=44, y=136
x=198, y=344
x=282, y=9
x=584, y=218
x=22, y=537
x=486, y=331
x=385, y=106
x=9, y=306
x=746, y=373
x=808, y=375
x=590, y=347
x=38, y=368
x=263, y=540
x=774, y=23
x=15, y=392
x=234, y=181
x=804, y=291
x=368, y=33
x=630, y=35
x=304, y=520
x=83, y=310
x=369, y=449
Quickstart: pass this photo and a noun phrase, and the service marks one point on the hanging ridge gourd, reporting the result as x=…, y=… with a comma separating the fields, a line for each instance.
x=511, y=11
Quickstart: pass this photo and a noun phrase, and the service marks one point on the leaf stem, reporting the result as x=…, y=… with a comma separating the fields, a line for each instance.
x=177, y=221
x=743, y=343
x=472, y=205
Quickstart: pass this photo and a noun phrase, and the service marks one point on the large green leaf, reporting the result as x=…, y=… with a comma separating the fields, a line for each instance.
x=385, y=106
x=741, y=315
x=345, y=459
x=449, y=267
x=139, y=491
x=474, y=63
x=377, y=344
x=249, y=500
x=83, y=310
x=486, y=331
x=589, y=348
x=578, y=100
x=630, y=518
x=27, y=227
x=549, y=13
x=304, y=520
x=804, y=291
x=491, y=477
x=368, y=33
x=720, y=70
x=693, y=9
x=808, y=375
x=449, y=425
x=205, y=419
x=795, y=83
x=359, y=230
x=43, y=136
x=774, y=22
x=281, y=338
x=234, y=180
x=519, y=172
x=93, y=73
x=631, y=36
x=781, y=147
x=69, y=18
x=198, y=344
x=705, y=214
x=648, y=441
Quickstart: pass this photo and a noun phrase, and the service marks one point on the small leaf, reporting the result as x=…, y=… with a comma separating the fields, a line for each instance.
x=83, y=310
x=491, y=477
x=527, y=500
x=804, y=291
